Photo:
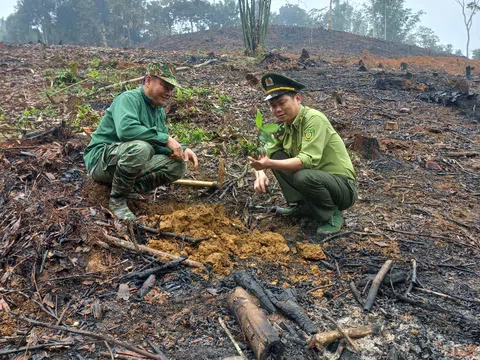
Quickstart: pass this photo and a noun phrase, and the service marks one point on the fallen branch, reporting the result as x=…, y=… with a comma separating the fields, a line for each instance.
x=157, y=349
x=335, y=236
x=345, y=335
x=147, y=250
x=356, y=294
x=204, y=63
x=185, y=68
x=121, y=357
x=229, y=334
x=325, y=338
x=154, y=271
x=36, y=347
x=457, y=242
x=462, y=154
x=90, y=334
x=414, y=277
x=377, y=281
x=116, y=84
x=455, y=298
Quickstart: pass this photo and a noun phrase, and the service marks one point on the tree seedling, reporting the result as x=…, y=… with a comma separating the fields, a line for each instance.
x=265, y=134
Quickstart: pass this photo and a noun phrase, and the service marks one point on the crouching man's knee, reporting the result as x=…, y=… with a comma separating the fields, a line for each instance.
x=175, y=170
x=135, y=155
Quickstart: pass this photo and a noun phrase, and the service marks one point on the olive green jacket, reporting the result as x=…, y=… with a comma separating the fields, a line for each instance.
x=312, y=139
x=130, y=117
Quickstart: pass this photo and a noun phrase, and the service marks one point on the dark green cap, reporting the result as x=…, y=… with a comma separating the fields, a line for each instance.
x=163, y=71
x=276, y=84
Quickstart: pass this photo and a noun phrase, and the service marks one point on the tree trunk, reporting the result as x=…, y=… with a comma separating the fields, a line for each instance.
x=468, y=43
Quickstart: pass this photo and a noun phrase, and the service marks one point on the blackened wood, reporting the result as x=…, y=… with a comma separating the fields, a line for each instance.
x=367, y=147
x=398, y=277
x=147, y=286
x=157, y=270
x=356, y=294
x=52, y=346
x=286, y=302
x=377, y=281
x=249, y=283
x=260, y=334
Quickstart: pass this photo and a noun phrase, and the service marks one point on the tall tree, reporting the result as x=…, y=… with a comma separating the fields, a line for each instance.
x=127, y=21
x=81, y=22
x=160, y=17
x=3, y=30
x=224, y=13
x=344, y=18
x=292, y=15
x=426, y=38
x=254, y=16
x=469, y=9
x=476, y=54
x=391, y=20
x=39, y=14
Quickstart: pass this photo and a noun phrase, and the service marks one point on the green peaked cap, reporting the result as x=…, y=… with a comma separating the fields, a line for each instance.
x=163, y=71
x=277, y=84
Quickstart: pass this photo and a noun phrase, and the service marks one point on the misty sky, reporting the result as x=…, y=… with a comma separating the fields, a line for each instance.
x=443, y=16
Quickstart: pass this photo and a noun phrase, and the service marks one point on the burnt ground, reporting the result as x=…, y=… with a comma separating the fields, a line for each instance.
x=418, y=199
x=291, y=39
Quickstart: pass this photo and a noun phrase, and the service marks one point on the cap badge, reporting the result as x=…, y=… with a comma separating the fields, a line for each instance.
x=269, y=82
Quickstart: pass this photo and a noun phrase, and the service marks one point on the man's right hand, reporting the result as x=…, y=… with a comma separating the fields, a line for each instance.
x=176, y=148
x=261, y=182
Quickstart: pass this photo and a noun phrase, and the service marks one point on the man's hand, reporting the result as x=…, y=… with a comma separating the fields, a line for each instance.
x=262, y=163
x=261, y=182
x=176, y=148
x=189, y=155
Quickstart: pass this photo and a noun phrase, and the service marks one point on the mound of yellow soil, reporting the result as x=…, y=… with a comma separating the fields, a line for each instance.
x=228, y=239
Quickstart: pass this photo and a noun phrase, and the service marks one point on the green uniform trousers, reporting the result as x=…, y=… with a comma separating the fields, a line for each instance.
x=323, y=192
x=138, y=162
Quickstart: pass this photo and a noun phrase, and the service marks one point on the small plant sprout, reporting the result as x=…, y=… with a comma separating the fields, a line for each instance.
x=265, y=134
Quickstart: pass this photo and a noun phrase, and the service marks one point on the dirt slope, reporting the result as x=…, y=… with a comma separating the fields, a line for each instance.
x=291, y=39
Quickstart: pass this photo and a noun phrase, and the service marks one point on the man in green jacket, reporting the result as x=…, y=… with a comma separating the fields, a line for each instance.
x=131, y=148
x=308, y=158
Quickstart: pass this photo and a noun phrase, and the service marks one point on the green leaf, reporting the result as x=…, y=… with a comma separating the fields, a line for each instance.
x=266, y=137
x=259, y=119
x=270, y=128
x=261, y=151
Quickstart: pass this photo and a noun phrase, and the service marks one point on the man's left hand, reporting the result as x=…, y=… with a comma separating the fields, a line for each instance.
x=189, y=155
x=261, y=163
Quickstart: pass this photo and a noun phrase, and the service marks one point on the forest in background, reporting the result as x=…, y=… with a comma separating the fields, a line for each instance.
x=117, y=23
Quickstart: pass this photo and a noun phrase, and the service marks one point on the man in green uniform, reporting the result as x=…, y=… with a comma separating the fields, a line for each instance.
x=131, y=148
x=308, y=158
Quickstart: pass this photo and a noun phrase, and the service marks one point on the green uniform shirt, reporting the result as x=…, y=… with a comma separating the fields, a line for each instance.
x=312, y=139
x=130, y=117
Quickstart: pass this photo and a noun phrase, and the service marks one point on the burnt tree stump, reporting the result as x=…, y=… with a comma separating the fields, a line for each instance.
x=367, y=147
x=305, y=55
x=261, y=335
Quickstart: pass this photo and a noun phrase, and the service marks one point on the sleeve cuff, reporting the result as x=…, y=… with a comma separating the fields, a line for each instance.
x=163, y=138
x=306, y=160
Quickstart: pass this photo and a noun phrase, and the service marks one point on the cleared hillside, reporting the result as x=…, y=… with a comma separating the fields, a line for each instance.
x=292, y=39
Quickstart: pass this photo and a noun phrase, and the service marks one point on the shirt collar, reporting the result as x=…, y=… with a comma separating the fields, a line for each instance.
x=145, y=97
x=298, y=119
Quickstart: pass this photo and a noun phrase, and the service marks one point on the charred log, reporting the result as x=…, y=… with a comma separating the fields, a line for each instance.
x=249, y=283
x=260, y=334
x=287, y=303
